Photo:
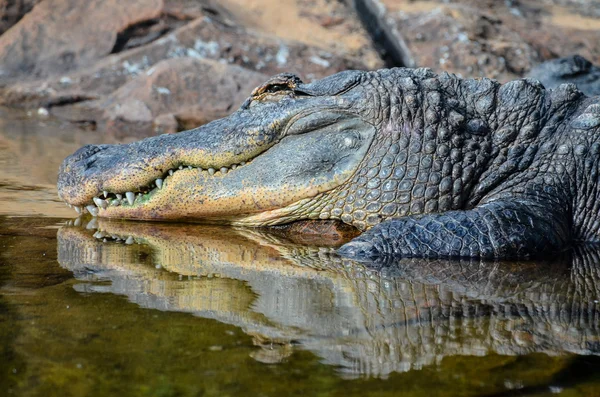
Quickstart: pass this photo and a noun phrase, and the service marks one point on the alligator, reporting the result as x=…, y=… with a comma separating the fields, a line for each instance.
x=424, y=165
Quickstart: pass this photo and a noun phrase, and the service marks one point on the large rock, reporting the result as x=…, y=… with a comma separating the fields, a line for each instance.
x=202, y=38
x=182, y=29
x=176, y=94
x=11, y=11
x=58, y=36
x=570, y=7
x=326, y=24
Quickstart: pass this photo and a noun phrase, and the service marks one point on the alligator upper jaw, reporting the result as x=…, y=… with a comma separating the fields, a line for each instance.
x=136, y=167
x=219, y=179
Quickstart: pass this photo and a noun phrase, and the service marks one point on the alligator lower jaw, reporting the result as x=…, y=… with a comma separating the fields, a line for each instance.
x=163, y=201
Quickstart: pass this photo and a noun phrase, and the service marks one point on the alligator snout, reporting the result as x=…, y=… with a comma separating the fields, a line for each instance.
x=76, y=180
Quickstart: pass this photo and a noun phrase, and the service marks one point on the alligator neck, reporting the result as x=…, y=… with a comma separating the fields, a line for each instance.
x=427, y=156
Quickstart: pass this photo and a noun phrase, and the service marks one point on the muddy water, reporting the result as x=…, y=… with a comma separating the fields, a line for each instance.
x=121, y=308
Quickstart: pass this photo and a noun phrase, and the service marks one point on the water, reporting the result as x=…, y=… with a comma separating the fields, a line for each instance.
x=108, y=307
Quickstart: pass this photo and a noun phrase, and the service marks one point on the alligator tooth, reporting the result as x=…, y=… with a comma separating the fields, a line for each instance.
x=77, y=222
x=224, y=170
x=115, y=203
x=93, y=224
x=233, y=167
x=105, y=194
x=129, y=240
x=211, y=171
x=130, y=197
x=181, y=167
x=100, y=203
x=69, y=223
x=190, y=167
x=170, y=172
x=78, y=209
x=159, y=183
x=92, y=209
x=105, y=241
x=243, y=163
x=98, y=234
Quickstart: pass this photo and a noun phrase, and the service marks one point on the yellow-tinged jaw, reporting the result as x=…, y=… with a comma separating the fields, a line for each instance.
x=196, y=195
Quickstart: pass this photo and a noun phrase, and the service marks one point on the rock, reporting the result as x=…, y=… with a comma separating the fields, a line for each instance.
x=175, y=87
x=203, y=38
x=458, y=38
x=165, y=124
x=58, y=36
x=329, y=25
x=573, y=69
x=11, y=11
x=107, y=57
x=556, y=31
x=472, y=38
x=590, y=8
x=199, y=30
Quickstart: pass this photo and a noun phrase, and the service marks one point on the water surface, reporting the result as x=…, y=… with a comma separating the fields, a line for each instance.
x=98, y=307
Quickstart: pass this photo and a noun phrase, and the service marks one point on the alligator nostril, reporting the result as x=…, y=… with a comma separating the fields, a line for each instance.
x=90, y=163
x=87, y=151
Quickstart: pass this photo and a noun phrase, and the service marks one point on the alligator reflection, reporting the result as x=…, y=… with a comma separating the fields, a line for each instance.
x=366, y=321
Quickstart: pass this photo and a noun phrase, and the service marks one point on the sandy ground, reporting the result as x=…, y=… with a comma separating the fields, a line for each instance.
x=323, y=23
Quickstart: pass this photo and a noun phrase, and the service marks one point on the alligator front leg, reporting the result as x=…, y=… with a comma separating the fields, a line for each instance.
x=497, y=229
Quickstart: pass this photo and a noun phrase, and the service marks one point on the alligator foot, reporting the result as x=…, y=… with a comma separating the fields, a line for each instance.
x=494, y=230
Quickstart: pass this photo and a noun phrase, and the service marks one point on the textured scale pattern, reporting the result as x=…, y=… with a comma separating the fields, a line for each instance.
x=498, y=229
x=472, y=168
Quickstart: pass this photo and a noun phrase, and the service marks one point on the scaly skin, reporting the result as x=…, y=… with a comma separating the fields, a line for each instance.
x=428, y=165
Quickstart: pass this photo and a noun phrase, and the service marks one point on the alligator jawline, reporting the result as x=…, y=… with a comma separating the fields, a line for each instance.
x=107, y=199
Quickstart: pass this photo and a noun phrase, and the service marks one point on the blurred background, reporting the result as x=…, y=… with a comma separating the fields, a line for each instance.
x=133, y=68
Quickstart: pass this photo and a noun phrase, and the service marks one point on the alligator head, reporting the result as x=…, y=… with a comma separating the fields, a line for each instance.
x=267, y=163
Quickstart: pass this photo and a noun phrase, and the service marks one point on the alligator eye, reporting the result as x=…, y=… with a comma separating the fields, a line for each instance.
x=277, y=87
